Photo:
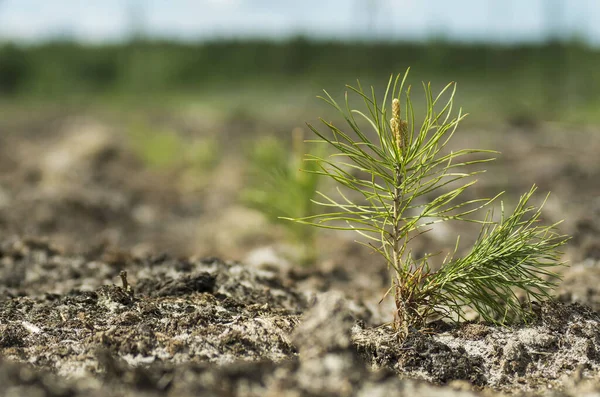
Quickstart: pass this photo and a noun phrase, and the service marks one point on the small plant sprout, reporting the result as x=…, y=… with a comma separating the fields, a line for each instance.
x=394, y=187
x=280, y=188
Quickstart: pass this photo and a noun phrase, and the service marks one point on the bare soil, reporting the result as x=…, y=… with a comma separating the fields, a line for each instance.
x=211, y=308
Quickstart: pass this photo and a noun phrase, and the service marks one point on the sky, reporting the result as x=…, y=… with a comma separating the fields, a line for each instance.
x=462, y=20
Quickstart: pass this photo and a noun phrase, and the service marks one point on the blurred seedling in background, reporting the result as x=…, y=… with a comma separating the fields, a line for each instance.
x=278, y=188
x=191, y=159
x=405, y=181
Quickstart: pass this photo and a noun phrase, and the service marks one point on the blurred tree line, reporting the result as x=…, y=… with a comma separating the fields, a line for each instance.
x=62, y=68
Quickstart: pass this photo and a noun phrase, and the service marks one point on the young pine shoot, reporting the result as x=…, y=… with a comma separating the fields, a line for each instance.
x=278, y=187
x=394, y=187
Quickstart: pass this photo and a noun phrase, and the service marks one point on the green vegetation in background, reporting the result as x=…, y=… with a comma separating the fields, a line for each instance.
x=166, y=150
x=407, y=182
x=550, y=81
x=277, y=187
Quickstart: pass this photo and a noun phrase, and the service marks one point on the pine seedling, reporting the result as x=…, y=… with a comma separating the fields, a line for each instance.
x=280, y=188
x=395, y=187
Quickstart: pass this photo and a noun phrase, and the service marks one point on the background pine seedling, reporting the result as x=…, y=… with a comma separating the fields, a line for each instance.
x=278, y=187
x=406, y=181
